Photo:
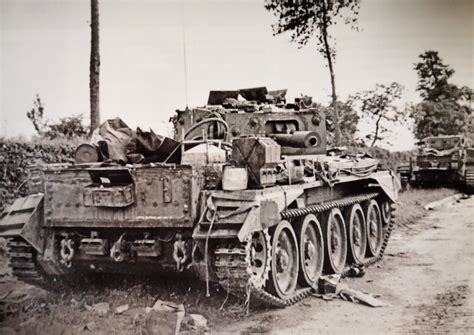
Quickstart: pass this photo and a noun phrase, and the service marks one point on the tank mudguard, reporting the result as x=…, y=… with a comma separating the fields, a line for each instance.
x=389, y=183
x=24, y=218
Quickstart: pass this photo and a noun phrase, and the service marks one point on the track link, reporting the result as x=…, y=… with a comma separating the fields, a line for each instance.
x=232, y=265
x=470, y=178
x=23, y=261
x=234, y=275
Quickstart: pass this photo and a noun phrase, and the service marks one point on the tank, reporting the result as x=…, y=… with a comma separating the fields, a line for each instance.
x=437, y=161
x=245, y=195
x=466, y=162
x=445, y=160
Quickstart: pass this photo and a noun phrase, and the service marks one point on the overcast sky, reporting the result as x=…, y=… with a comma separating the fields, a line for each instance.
x=44, y=49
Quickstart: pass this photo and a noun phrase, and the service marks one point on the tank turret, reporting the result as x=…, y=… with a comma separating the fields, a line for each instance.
x=299, y=127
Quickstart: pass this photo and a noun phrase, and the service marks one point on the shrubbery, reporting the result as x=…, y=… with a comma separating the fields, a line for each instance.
x=66, y=128
x=391, y=160
x=16, y=156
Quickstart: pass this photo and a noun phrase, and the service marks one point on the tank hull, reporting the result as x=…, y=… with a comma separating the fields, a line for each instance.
x=206, y=247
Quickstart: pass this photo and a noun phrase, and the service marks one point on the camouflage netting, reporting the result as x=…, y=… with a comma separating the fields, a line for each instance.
x=16, y=156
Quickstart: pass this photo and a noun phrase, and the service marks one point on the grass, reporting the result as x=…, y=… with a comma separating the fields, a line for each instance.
x=410, y=209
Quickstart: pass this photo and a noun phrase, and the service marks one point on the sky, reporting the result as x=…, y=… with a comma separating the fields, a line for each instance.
x=45, y=48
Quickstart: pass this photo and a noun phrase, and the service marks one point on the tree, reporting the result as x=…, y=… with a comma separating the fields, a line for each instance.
x=444, y=105
x=433, y=77
x=94, y=67
x=305, y=19
x=446, y=117
x=348, y=122
x=68, y=127
x=35, y=115
x=378, y=106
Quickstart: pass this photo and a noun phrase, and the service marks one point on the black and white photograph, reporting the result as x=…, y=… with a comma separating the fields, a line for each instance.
x=192, y=167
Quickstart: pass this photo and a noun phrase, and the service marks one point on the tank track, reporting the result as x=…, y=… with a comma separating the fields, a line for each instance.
x=233, y=274
x=470, y=178
x=404, y=173
x=233, y=271
x=23, y=262
x=404, y=181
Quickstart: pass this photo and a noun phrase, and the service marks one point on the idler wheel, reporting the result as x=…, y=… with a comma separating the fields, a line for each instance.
x=284, y=264
x=311, y=246
x=374, y=228
x=258, y=252
x=335, y=239
x=357, y=234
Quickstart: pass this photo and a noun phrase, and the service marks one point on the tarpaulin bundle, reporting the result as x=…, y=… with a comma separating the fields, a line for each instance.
x=115, y=141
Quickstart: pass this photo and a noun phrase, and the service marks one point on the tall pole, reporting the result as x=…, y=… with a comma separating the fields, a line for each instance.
x=94, y=69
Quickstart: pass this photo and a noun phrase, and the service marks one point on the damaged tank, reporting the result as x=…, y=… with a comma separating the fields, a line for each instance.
x=436, y=161
x=466, y=163
x=441, y=160
x=246, y=195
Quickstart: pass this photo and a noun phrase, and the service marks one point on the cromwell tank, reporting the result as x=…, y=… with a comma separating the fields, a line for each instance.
x=442, y=160
x=247, y=195
x=437, y=160
x=466, y=161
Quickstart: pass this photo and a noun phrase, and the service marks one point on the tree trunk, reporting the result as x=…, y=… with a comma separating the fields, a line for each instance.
x=94, y=70
x=376, y=134
x=327, y=51
x=337, y=129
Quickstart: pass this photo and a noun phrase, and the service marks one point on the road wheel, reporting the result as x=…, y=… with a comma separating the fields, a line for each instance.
x=385, y=211
x=284, y=264
x=311, y=246
x=357, y=234
x=374, y=228
x=335, y=239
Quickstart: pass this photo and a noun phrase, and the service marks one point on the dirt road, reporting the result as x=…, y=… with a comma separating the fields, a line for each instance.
x=426, y=279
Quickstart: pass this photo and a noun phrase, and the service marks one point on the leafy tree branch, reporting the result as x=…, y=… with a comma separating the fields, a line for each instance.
x=305, y=19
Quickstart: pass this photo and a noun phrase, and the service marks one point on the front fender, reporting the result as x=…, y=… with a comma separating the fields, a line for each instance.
x=25, y=218
x=390, y=184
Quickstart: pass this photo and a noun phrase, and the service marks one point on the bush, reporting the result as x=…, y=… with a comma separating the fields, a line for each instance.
x=16, y=156
x=67, y=127
x=391, y=160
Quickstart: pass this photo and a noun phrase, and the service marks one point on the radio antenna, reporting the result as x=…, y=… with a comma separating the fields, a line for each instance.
x=184, y=54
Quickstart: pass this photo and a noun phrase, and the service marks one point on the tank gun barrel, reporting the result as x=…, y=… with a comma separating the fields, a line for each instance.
x=298, y=139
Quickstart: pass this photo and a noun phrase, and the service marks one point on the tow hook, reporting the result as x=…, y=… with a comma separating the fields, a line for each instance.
x=119, y=251
x=180, y=253
x=67, y=251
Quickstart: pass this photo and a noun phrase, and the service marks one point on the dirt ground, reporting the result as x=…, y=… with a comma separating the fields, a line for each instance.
x=426, y=280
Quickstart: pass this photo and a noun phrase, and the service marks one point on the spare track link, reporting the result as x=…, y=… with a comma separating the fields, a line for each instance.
x=23, y=261
x=232, y=269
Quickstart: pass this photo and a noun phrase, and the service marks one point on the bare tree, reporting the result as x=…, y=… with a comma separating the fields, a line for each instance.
x=307, y=18
x=94, y=69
